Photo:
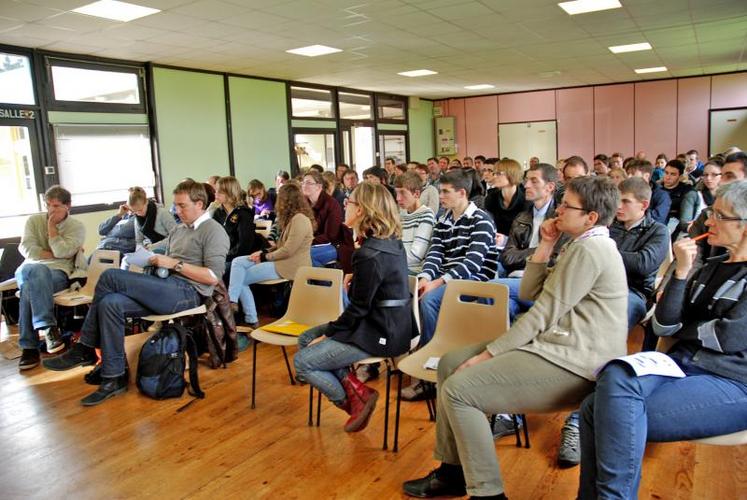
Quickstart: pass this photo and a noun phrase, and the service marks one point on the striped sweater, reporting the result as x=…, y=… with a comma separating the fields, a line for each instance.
x=417, y=228
x=463, y=248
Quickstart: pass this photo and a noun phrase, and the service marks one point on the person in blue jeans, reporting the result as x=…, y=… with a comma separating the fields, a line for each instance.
x=196, y=258
x=328, y=232
x=50, y=244
x=707, y=315
x=378, y=320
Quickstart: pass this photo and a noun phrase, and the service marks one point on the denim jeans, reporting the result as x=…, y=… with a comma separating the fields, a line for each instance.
x=515, y=304
x=625, y=411
x=636, y=309
x=430, y=305
x=121, y=294
x=321, y=254
x=244, y=272
x=38, y=284
x=325, y=363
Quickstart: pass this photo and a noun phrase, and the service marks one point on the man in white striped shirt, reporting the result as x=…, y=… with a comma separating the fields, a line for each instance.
x=417, y=220
x=462, y=247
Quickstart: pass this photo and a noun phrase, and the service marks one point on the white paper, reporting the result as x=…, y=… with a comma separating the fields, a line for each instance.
x=431, y=364
x=652, y=363
x=139, y=257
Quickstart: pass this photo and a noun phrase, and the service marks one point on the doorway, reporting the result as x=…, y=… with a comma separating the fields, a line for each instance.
x=358, y=146
x=728, y=128
x=521, y=141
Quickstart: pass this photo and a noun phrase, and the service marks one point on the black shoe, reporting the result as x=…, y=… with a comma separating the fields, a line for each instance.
x=78, y=355
x=29, y=359
x=435, y=484
x=109, y=388
x=94, y=376
x=500, y=496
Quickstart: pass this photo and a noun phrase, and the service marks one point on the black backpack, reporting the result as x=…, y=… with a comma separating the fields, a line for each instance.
x=160, y=370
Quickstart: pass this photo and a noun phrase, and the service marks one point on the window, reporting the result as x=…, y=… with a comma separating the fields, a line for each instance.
x=355, y=106
x=16, y=85
x=98, y=163
x=315, y=148
x=95, y=87
x=391, y=108
x=392, y=145
x=311, y=103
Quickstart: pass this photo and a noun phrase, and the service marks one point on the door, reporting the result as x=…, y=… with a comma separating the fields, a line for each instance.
x=728, y=128
x=393, y=145
x=521, y=141
x=19, y=157
x=358, y=147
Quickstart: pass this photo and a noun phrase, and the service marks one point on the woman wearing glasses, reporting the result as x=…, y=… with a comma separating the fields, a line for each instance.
x=328, y=234
x=546, y=360
x=707, y=315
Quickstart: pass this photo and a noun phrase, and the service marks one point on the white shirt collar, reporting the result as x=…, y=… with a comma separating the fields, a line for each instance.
x=202, y=218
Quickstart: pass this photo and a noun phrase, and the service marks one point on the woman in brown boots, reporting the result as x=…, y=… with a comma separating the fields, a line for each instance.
x=377, y=322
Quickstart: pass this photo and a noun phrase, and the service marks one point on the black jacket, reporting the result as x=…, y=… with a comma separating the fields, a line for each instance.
x=514, y=256
x=643, y=249
x=239, y=225
x=660, y=203
x=369, y=322
x=503, y=216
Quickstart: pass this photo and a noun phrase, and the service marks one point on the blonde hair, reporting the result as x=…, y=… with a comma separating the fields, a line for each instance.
x=137, y=196
x=380, y=213
x=230, y=187
x=514, y=172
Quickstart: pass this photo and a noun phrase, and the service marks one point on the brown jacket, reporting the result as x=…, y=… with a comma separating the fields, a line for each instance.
x=294, y=247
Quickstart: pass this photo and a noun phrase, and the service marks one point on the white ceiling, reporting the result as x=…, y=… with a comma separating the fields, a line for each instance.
x=512, y=44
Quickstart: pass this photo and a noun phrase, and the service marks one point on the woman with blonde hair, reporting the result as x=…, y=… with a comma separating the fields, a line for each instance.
x=617, y=175
x=236, y=218
x=296, y=222
x=378, y=320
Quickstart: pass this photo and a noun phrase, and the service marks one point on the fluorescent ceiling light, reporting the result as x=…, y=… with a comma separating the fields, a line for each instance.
x=418, y=72
x=657, y=69
x=633, y=47
x=118, y=11
x=481, y=86
x=584, y=6
x=313, y=50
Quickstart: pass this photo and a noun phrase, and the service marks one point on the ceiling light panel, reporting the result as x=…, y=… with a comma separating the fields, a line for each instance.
x=633, y=47
x=584, y=6
x=657, y=69
x=418, y=72
x=115, y=10
x=481, y=86
x=314, y=51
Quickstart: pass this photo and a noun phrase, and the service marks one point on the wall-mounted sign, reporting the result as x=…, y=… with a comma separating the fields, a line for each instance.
x=23, y=114
x=438, y=111
x=445, y=135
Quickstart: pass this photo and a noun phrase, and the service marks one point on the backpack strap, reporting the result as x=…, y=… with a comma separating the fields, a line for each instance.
x=190, y=348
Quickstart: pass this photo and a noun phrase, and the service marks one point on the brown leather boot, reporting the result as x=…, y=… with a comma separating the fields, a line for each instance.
x=362, y=403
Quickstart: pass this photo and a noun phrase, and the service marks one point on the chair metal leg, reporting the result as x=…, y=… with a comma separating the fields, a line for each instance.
x=386, y=406
x=517, y=431
x=288, y=366
x=396, y=412
x=318, y=408
x=526, y=430
x=254, y=370
x=311, y=405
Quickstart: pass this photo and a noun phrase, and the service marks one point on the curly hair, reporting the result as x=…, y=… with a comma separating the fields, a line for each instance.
x=290, y=202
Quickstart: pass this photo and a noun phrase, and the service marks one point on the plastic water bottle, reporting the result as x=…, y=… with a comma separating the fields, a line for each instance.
x=162, y=272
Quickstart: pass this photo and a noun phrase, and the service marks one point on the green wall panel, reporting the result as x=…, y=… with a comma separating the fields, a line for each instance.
x=421, y=131
x=191, y=117
x=259, y=119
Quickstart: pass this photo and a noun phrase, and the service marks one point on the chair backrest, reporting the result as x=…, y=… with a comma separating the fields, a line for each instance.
x=412, y=282
x=464, y=319
x=316, y=296
x=262, y=227
x=101, y=260
x=665, y=343
x=664, y=267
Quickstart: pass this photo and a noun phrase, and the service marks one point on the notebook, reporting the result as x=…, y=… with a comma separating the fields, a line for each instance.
x=287, y=328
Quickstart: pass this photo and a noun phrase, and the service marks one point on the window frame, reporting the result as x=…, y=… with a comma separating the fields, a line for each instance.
x=333, y=101
x=66, y=61
x=405, y=107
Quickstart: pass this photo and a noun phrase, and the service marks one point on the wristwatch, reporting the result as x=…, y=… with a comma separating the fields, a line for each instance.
x=179, y=265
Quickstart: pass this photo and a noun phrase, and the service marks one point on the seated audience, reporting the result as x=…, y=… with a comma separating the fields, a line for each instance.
x=575, y=166
x=709, y=183
x=118, y=231
x=429, y=193
x=707, y=316
x=547, y=358
x=340, y=171
x=533, y=161
x=434, y=172
x=378, y=175
x=616, y=160
x=477, y=193
x=506, y=200
x=684, y=207
x=524, y=235
x=462, y=247
x=236, y=218
x=601, y=164
x=693, y=166
x=378, y=321
x=660, y=200
x=282, y=177
x=417, y=220
x=349, y=182
x=328, y=215
x=467, y=162
x=390, y=165
x=296, y=221
x=333, y=190
x=50, y=245
x=661, y=162
x=479, y=162
x=261, y=201
x=617, y=175
x=196, y=258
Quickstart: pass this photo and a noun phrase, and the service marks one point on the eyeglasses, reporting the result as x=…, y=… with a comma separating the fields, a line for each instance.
x=309, y=183
x=723, y=218
x=565, y=206
x=500, y=172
